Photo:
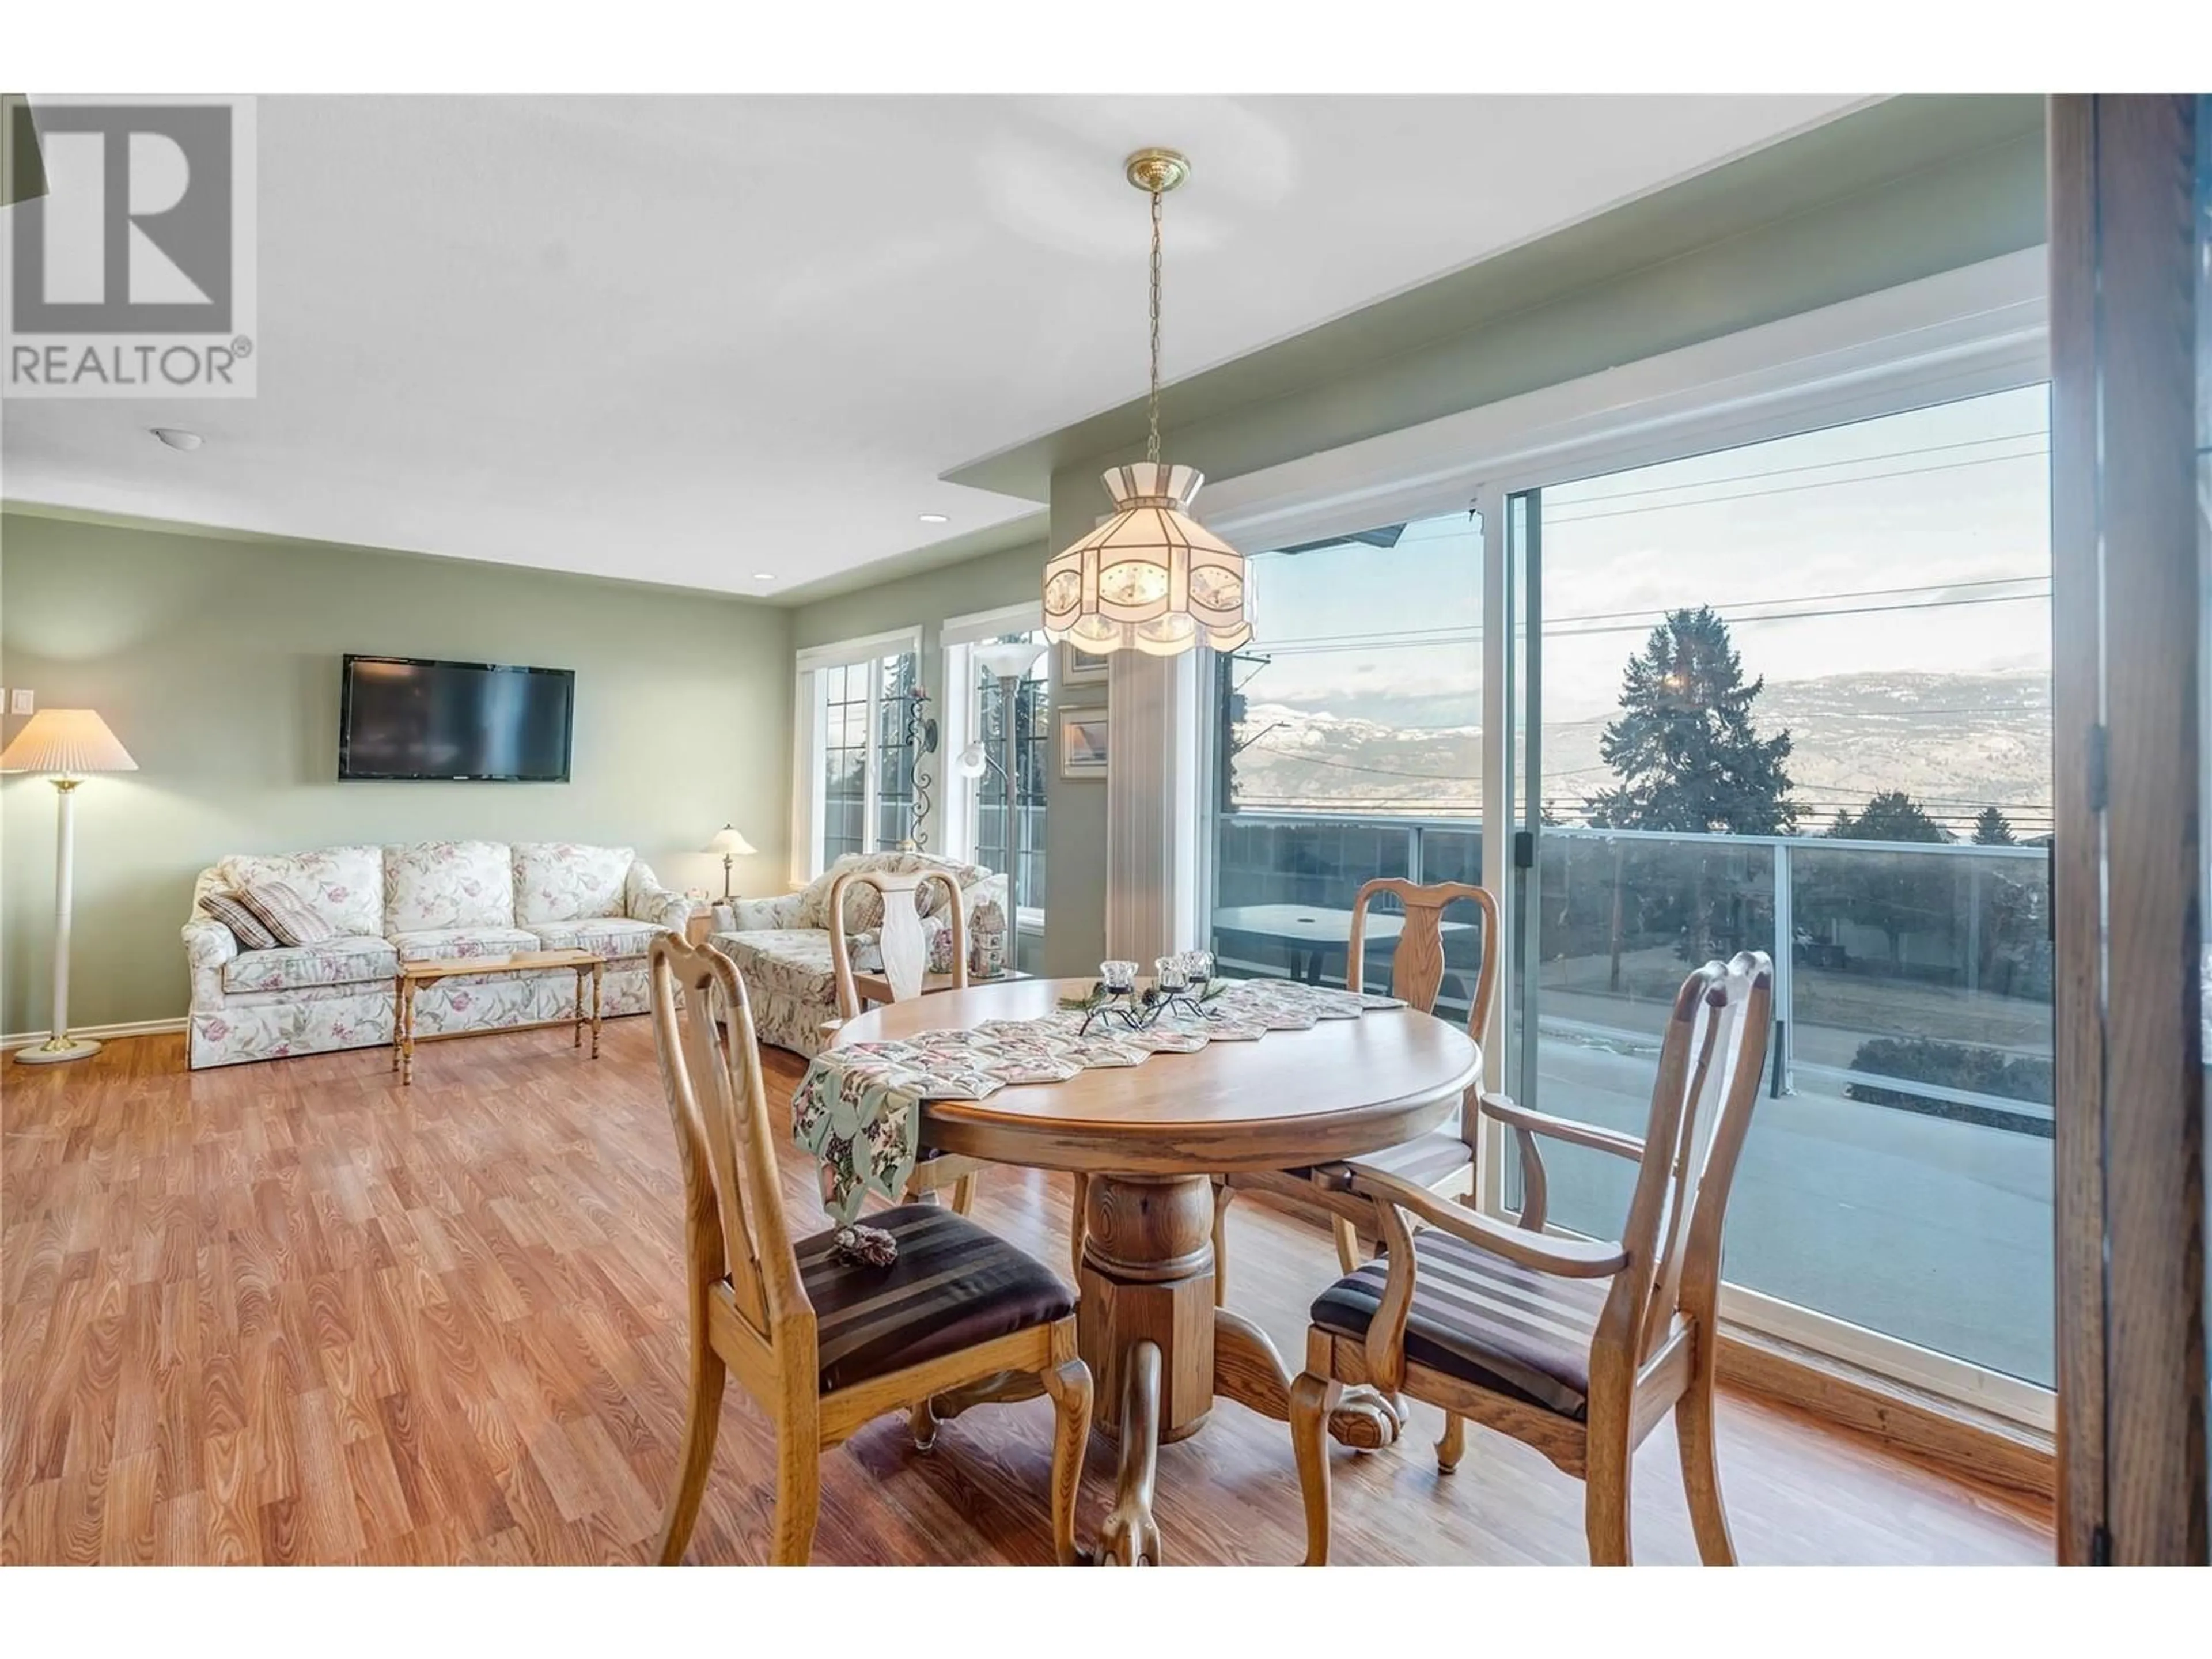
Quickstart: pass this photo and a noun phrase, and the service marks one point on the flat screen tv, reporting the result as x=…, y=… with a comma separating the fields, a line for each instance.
x=472, y=722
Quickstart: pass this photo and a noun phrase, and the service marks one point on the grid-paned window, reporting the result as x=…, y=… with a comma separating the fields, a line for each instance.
x=896, y=679
x=845, y=760
x=861, y=766
x=1031, y=714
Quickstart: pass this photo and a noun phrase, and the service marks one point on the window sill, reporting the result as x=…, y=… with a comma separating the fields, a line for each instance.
x=1947, y=1431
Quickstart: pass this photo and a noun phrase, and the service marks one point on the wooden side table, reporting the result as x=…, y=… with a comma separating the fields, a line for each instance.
x=413, y=974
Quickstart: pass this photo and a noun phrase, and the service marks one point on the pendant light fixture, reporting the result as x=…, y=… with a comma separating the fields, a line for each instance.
x=1150, y=578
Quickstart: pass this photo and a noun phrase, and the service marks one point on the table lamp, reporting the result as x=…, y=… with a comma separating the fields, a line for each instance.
x=64, y=743
x=731, y=845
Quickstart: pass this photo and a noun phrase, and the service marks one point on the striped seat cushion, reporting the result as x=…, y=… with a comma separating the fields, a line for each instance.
x=1484, y=1321
x=954, y=1285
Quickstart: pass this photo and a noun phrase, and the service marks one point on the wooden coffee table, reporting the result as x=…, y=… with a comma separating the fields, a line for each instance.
x=413, y=974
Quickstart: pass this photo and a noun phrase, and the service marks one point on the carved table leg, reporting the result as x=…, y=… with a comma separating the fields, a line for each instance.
x=1145, y=1325
x=1247, y=1369
x=1148, y=1277
x=1130, y=1536
x=598, y=968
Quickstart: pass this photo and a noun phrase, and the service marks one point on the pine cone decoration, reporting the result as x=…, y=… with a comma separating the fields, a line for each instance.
x=866, y=1247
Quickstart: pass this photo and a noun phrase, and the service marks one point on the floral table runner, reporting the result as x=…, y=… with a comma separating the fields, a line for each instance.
x=858, y=1108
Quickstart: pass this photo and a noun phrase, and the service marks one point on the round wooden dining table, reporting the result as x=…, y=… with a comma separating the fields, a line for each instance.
x=1145, y=1142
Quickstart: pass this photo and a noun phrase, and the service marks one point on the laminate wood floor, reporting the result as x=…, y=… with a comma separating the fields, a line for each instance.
x=292, y=1312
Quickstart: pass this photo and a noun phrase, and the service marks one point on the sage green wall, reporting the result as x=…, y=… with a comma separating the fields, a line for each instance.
x=215, y=660
x=1006, y=576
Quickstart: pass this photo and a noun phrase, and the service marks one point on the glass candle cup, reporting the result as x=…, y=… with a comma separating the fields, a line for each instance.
x=1118, y=976
x=1168, y=973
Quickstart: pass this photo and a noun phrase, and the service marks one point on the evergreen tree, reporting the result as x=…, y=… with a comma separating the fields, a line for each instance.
x=1688, y=755
x=1993, y=828
x=1690, y=760
x=1891, y=815
x=1896, y=893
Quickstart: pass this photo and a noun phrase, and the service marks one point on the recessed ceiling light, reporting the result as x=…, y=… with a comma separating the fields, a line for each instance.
x=178, y=438
x=935, y=518
x=764, y=576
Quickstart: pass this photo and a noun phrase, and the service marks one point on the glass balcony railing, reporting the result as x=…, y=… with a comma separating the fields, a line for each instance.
x=1899, y=1174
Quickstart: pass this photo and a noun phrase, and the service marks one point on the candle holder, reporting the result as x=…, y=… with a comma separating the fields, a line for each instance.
x=1116, y=997
x=1185, y=981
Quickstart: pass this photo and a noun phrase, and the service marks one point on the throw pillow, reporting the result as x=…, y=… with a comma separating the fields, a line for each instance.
x=286, y=914
x=244, y=927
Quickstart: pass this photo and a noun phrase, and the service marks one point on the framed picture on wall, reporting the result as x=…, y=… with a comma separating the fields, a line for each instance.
x=1083, y=743
x=1079, y=667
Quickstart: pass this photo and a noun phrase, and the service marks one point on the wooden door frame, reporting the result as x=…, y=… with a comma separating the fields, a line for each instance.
x=2127, y=872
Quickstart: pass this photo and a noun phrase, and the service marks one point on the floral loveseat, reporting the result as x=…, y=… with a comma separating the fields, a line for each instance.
x=781, y=945
x=412, y=903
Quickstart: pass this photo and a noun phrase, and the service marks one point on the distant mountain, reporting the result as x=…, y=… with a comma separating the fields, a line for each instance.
x=1955, y=743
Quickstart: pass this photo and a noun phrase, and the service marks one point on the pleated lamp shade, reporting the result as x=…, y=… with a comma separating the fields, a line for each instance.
x=68, y=742
x=1150, y=578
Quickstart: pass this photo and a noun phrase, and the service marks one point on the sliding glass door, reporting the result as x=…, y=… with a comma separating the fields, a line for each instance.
x=1795, y=696
x=1348, y=745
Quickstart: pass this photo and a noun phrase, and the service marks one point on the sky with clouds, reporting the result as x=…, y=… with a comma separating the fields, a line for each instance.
x=1924, y=537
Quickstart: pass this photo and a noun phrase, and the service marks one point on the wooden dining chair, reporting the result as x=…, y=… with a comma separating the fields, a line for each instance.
x=1441, y=1161
x=903, y=948
x=1574, y=1346
x=824, y=1345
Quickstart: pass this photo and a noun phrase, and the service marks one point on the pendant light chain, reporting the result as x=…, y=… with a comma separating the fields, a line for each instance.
x=1150, y=578
x=1152, y=442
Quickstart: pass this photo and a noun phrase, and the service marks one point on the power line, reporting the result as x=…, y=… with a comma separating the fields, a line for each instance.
x=2040, y=433
x=1472, y=634
x=1639, y=627
x=1791, y=489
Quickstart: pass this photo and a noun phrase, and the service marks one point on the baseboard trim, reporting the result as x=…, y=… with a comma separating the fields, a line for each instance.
x=98, y=1033
x=1961, y=1438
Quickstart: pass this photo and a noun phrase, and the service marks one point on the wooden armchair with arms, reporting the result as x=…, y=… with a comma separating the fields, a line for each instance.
x=1442, y=1161
x=1574, y=1346
x=823, y=1344
x=903, y=946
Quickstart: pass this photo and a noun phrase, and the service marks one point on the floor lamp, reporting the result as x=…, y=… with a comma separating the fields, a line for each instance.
x=1009, y=660
x=64, y=743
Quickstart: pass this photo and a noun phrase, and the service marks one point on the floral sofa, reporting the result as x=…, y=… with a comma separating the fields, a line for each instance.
x=781, y=945
x=429, y=900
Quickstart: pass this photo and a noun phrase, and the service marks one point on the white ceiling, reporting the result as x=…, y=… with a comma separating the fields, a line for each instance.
x=687, y=340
